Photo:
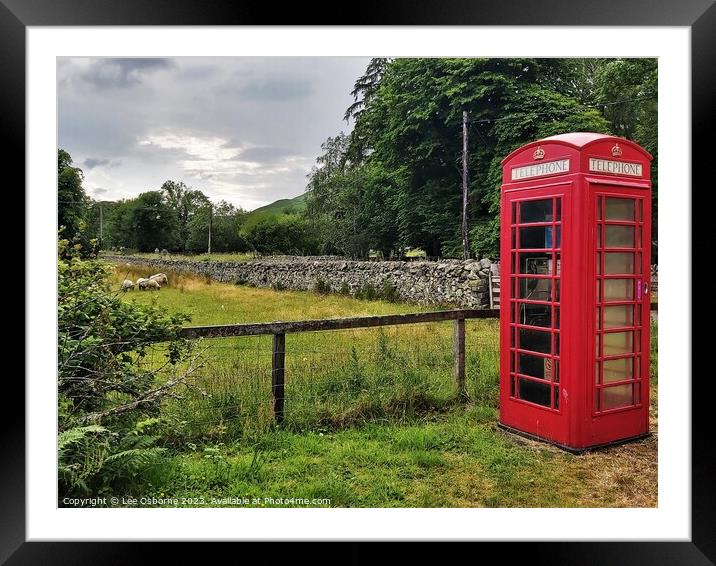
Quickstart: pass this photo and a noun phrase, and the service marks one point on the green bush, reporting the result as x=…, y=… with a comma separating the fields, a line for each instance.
x=322, y=287
x=109, y=385
x=345, y=289
x=367, y=292
x=278, y=286
x=389, y=292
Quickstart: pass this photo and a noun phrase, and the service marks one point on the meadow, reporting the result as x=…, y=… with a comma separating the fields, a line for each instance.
x=373, y=417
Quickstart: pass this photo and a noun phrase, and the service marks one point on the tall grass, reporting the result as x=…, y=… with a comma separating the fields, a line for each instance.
x=333, y=379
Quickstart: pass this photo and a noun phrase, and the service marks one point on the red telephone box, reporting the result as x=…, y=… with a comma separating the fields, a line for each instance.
x=574, y=313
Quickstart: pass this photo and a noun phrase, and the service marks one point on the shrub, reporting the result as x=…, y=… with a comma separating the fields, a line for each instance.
x=389, y=292
x=367, y=292
x=345, y=289
x=107, y=388
x=278, y=286
x=322, y=287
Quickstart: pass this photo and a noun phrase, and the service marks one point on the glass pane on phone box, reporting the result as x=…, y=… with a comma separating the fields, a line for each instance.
x=616, y=397
x=536, y=237
x=535, y=366
x=619, y=236
x=535, y=263
x=616, y=262
x=617, y=370
x=535, y=392
x=616, y=343
x=535, y=315
x=618, y=289
x=616, y=316
x=536, y=211
x=620, y=209
x=535, y=340
x=535, y=289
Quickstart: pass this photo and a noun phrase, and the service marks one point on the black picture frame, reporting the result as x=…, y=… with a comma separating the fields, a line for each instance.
x=17, y=15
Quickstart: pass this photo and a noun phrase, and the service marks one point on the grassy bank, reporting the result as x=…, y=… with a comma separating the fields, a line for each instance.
x=372, y=417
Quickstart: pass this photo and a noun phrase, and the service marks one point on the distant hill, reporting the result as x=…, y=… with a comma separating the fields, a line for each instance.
x=283, y=206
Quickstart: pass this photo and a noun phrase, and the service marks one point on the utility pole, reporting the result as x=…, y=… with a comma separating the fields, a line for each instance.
x=465, y=180
x=211, y=214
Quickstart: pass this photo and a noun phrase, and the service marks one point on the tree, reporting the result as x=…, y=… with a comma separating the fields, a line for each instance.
x=71, y=198
x=285, y=234
x=627, y=91
x=186, y=203
x=395, y=181
x=226, y=223
x=144, y=223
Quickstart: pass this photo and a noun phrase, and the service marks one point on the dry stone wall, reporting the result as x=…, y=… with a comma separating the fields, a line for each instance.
x=451, y=282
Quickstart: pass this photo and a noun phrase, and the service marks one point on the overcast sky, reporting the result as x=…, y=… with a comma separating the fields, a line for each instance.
x=243, y=129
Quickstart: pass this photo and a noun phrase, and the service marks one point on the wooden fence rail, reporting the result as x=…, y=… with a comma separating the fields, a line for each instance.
x=279, y=330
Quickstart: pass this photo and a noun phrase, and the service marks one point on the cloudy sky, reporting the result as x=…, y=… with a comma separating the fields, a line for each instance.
x=243, y=129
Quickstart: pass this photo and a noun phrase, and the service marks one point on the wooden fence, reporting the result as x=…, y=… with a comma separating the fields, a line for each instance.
x=280, y=329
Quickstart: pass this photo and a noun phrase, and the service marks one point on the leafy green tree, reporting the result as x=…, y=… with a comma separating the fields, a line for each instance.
x=398, y=174
x=226, y=224
x=71, y=198
x=627, y=91
x=186, y=203
x=144, y=223
x=284, y=234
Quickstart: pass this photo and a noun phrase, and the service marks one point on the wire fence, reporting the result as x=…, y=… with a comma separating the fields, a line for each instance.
x=248, y=384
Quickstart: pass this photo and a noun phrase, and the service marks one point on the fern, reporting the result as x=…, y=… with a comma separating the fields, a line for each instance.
x=74, y=435
x=135, y=458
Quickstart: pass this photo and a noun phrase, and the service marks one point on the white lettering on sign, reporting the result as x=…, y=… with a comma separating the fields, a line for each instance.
x=539, y=169
x=619, y=167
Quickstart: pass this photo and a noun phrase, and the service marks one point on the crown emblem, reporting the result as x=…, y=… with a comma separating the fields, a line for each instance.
x=616, y=150
x=538, y=154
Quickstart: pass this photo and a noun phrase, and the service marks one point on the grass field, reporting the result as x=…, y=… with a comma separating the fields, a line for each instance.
x=372, y=417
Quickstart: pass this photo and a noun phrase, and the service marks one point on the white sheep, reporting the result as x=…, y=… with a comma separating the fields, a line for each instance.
x=142, y=283
x=152, y=284
x=160, y=278
x=127, y=285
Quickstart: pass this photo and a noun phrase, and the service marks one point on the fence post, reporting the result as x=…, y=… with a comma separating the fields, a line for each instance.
x=459, y=349
x=278, y=371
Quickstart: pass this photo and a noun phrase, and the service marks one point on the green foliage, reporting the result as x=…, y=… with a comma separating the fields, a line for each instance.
x=389, y=292
x=226, y=224
x=344, y=289
x=144, y=223
x=71, y=198
x=322, y=287
x=105, y=384
x=627, y=90
x=395, y=181
x=366, y=292
x=286, y=234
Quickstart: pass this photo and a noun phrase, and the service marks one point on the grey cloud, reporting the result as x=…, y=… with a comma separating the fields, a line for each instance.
x=273, y=111
x=264, y=154
x=92, y=162
x=99, y=191
x=122, y=73
x=200, y=72
x=276, y=89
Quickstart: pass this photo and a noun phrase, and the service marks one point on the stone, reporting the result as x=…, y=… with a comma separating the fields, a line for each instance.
x=450, y=282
